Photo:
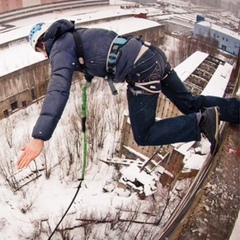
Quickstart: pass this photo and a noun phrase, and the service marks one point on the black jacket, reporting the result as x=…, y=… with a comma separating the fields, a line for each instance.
x=61, y=51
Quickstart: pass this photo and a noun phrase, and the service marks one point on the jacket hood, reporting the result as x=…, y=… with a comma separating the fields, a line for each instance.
x=55, y=31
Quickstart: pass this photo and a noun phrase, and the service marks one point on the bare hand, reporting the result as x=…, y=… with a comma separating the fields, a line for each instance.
x=31, y=151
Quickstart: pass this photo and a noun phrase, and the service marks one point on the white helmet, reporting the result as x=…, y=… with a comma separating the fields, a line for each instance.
x=36, y=32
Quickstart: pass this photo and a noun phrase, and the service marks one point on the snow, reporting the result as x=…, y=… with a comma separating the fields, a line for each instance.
x=132, y=173
x=236, y=231
x=42, y=202
x=220, y=79
x=188, y=66
x=20, y=60
x=134, y=25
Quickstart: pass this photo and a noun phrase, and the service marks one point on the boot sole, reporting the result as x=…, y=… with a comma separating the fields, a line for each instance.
x=217, y=131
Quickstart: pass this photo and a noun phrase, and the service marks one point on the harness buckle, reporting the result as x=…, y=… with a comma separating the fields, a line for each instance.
x=81, y=60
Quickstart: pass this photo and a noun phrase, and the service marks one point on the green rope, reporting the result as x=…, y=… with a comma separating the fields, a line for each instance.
x=84, y=99
x=84, y=117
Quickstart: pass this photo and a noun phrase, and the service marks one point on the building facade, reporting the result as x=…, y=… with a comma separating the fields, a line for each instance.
x=228, y=40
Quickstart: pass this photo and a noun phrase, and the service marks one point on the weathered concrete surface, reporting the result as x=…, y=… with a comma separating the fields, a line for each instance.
x=214, y=216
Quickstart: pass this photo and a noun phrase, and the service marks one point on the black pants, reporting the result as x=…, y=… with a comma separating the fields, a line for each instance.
x=142, y=110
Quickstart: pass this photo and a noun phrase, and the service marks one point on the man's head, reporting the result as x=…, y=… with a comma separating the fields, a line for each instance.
x=36, y=36
x=43, y=35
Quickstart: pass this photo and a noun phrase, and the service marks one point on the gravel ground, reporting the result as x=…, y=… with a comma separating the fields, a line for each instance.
x=214, y=216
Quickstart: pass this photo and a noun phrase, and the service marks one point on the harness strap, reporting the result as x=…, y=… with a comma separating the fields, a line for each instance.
x=112, y=58
x=79, y=49
x=150, y=87
x=138, y=92
x=114, y=54
x=111, y=84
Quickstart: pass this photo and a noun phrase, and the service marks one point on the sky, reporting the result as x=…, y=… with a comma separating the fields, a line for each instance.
x=37, y=207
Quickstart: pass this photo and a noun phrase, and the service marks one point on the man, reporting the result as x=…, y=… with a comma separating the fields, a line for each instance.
x=146, y=70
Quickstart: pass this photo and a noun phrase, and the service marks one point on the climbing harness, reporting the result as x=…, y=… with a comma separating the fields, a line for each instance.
x=112, y=58
x=114, y=54
x=84, y=117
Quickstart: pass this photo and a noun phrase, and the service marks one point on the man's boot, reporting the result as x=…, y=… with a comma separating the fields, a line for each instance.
x=209, y=126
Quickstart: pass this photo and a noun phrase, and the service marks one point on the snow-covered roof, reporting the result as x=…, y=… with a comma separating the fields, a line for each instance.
x=188, y=66
x=19, y=50
x=218, y=81
x=14, y=34
x=17, y=57
x=127, y=25
x=10, y=34
x=219, y=29
x=180, y=23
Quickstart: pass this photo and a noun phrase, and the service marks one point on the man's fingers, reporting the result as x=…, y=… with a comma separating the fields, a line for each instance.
x=26, y=159
x=30, y=153
x=24, y=163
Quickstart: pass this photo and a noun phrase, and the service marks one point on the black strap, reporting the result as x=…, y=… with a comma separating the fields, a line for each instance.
x=79, y=49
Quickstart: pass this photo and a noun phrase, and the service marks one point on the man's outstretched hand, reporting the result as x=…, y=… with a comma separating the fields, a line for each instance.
x=30, y=152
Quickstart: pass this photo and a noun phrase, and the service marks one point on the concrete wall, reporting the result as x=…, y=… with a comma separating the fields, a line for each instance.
x=10, y=5
x=154, y=35
x=20, y=88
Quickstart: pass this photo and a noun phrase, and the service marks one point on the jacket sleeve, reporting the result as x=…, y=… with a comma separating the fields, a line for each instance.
x=56, y=97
